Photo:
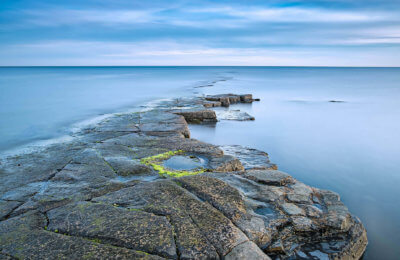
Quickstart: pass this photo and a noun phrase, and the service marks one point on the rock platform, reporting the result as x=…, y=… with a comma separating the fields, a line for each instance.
x=94, y=198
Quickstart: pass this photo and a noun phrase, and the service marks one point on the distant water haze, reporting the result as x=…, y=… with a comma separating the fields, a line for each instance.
x=350, y=147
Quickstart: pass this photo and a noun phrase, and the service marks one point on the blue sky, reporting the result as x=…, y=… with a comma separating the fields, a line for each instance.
x=177, y=32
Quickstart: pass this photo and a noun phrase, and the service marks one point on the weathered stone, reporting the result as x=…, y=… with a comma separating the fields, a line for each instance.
x=225, y=163
x=300, y=193
x=247, y=250
x=125, y=166
x=270, y=177
x=219, y=194
x=209, y=104
x=211, y=223
x=116, y=226
x=250, y=158
x=227, y=99
x=198, y=116
x=291, y=209
x=246, y=98
x=6, y=207
x=236, y=115
x=119, y=123
x=102, y=203
x=25, y=237
x=168, y=125
x=302, y=224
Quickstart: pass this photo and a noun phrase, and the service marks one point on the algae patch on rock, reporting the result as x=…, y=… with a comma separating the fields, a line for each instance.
x=176, y=164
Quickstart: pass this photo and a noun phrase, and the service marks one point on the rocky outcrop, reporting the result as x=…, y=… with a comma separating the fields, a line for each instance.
x=228, y=99
x=198, y=116
x=98, y=197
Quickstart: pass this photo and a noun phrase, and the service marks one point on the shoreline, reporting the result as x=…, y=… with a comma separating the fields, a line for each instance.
x=239, y=206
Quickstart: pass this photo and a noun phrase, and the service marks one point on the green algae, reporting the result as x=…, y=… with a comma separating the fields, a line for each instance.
x=156, y=161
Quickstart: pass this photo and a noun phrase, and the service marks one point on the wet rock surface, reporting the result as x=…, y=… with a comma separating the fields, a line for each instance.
x=234, y=115
x=93, y=198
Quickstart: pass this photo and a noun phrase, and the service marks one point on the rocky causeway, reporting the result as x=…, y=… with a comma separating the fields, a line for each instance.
x=136, y=186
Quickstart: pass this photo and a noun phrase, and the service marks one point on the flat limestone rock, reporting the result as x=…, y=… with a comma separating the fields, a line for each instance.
x=93, y=198
x=198, y=116
x=209, y=104
x=249, y=157
x=116, y=226
x=213, y=231
x=125, y=166
x=236, y=115
x=270, y=177
x=6, y=207
x=247, y=250
x=25, y=237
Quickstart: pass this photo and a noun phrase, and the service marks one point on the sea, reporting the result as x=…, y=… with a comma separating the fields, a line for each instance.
x=329, y=127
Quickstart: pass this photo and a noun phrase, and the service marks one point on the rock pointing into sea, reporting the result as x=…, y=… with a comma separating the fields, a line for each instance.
x=110, y=194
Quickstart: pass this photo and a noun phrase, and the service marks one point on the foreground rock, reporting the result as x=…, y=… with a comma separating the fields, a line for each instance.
x=96, y=198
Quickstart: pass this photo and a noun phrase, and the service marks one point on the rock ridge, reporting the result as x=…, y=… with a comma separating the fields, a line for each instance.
x=94, y=198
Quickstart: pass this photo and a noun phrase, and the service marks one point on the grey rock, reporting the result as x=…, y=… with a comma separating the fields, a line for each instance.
x=125, y=166
x=25, y=237
x=120, y=227
x=198, y=116
x=6, y=207
x=270, y=177
x=249, y=157
x=247, y=250
x=92, y=198
x=236, y=115
x=292, y=209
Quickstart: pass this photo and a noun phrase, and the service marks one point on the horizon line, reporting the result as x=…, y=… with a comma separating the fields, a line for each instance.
x=272, y=66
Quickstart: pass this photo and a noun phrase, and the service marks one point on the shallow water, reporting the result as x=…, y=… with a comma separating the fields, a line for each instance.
x=185, y=163
x=351, y=147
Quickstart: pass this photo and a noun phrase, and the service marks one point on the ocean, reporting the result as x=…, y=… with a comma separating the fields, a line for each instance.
x=351, y=147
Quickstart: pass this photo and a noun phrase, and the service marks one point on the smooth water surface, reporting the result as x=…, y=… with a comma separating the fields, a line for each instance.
x=38, y=103
x=352, y=147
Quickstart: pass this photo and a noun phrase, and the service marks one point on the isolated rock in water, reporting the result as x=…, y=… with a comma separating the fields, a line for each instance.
x=228, y=99
x=198, y=116
x=246, y=98
x=233, y=115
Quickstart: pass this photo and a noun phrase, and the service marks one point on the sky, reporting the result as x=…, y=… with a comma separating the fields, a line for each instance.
x=200, y=33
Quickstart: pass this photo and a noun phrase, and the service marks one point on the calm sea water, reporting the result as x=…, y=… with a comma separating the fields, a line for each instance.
x=352, y=148
x=38, y=103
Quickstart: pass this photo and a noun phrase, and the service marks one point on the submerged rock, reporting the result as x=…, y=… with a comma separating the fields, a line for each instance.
x=234, y=115
x=102, y=197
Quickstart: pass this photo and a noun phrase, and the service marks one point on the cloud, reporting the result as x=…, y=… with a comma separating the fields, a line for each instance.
x=295, y=14
x=173, y=53
x=199, y=33
x=74, y=17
